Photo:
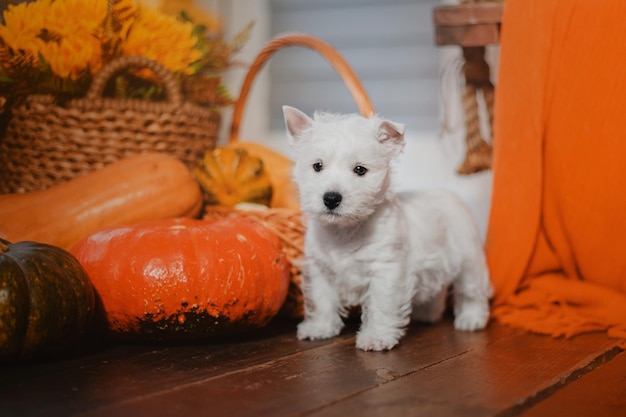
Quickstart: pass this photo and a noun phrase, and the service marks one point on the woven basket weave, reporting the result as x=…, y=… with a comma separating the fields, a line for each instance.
x=289, y=224
x=47, y=142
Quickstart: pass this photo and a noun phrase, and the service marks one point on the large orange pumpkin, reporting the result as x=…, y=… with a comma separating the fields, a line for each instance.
x=186, y=279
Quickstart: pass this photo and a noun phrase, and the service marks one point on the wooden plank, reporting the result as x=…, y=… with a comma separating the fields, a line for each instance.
x=601, y=392
x=497, y=378
x=468, y=14
x=113, y=373
x=308, y=380
x=468, y=25
x=434, y=371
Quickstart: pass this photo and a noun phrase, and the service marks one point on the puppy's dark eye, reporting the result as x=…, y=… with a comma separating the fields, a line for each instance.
x=360, y=170
x=318, y=166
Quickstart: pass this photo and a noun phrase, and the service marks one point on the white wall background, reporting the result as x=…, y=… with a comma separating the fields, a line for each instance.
x=390, y=46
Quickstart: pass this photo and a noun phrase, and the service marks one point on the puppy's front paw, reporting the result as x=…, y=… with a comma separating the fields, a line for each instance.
x=471, y=319
x=371, y=341
x=318, y=329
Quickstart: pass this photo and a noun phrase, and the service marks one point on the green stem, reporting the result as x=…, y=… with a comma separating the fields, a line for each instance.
x=3, y=246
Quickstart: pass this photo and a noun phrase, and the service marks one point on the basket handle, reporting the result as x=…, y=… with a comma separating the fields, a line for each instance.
x=172, y=88
x=326, y=50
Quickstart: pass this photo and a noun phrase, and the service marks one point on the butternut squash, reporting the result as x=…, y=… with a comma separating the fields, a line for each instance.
x=279, y=169
x=144, y=187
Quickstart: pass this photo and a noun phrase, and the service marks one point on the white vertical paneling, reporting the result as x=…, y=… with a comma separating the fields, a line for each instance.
x=389, y=44
x=238, y=14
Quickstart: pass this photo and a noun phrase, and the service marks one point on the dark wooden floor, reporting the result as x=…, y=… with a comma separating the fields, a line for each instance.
x=434, y=372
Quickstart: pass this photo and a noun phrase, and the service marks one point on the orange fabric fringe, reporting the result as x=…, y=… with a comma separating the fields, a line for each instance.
x=556, y=241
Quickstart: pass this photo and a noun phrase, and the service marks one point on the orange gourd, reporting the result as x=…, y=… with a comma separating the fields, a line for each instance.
x=279, y=169
x=231, y=176
x=186, y=279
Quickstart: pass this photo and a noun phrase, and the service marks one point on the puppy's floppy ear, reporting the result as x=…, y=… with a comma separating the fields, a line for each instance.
x=297, y=123
x=391, y=134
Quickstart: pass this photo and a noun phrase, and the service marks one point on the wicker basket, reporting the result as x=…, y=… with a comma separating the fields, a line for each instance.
x=289, y=224
x=47, y=142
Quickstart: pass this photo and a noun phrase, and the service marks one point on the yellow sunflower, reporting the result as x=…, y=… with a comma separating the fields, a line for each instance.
x=78, y=47
x=162, y=38
x=23, y=23
x=53, y=29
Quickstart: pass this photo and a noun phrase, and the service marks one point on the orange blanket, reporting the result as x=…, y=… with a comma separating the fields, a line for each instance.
x=556, y=241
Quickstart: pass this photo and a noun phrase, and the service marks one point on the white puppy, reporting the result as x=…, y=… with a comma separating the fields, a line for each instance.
x=394, y=255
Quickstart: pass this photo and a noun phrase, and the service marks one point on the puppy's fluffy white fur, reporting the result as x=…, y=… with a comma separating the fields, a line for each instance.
x=394, y=255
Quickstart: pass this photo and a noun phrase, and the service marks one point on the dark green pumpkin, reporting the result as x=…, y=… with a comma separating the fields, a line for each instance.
x=46, y=299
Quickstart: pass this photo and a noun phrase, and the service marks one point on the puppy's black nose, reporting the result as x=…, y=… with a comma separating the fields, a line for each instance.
x=332, y=199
